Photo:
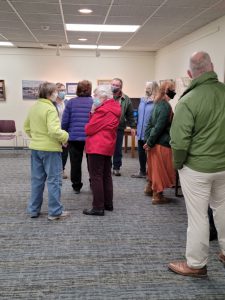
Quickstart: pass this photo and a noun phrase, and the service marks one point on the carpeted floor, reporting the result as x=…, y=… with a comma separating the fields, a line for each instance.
x=123, y=255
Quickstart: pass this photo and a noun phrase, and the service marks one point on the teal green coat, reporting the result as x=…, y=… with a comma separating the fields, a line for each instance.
x=198, y=128
x=158, y=128
x=43, y=126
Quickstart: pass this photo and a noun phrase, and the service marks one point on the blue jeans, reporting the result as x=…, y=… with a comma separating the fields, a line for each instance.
x=117, y=157
x=46, y=165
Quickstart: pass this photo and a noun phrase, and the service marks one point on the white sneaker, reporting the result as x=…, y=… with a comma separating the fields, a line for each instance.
x=64, y=214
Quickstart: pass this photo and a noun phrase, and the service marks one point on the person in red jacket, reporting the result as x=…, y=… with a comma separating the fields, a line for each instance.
x=100, y=145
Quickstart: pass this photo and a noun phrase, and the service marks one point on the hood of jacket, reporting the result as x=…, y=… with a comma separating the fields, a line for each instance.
x=110, y=105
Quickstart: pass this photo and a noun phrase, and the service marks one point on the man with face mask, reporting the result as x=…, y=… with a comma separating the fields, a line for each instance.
x=126, y=118
x=60, y=105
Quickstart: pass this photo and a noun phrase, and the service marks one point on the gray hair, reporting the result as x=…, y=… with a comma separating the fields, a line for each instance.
x=200, y=62
x=104, y=91
x=46, y=89
x=152, y=87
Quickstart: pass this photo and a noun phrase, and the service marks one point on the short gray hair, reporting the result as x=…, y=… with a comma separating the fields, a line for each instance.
x=200, y=62
x=104, y=91
x=46, y=89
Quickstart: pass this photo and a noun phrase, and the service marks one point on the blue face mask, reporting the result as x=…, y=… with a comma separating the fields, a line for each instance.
x=96, y=102
x=61, y=95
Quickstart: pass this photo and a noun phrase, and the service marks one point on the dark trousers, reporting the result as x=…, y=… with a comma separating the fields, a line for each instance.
x=65, y=152
x=76, y=149
x=101, y=180
x=117, y=157
x=142, y=156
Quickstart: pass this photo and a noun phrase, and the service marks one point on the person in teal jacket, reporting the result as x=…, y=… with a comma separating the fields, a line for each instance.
x=43, y=127
x=161, y=173
x=198, y=145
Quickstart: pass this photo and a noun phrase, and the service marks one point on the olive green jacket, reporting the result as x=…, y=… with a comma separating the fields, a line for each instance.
x=197, y=132
x=127, y=117
x=158, y=128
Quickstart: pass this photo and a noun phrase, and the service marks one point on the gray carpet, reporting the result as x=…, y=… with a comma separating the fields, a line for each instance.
x=123, y=255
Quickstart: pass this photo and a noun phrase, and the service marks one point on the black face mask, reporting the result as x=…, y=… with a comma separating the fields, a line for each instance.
x=170, y=94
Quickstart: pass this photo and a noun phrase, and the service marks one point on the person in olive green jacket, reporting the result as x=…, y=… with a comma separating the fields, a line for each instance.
x=161, y=173
x=43, y=127
x=127, y=117
x=198, y=144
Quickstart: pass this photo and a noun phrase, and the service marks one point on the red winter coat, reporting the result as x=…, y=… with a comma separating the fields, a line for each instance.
x=102, y=128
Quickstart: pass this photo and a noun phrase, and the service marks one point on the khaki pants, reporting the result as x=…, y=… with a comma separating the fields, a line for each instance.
x=200, y=190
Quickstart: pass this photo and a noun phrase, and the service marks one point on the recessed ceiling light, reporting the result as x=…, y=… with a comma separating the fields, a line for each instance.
x=6, y=44
x=82, y=39
x=109, y=47
x=102, y=28
x=103, y=47
x=83, y=46
x=85, y=11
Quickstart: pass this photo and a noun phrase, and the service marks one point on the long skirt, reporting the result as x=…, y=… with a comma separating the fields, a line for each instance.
x=161, y=172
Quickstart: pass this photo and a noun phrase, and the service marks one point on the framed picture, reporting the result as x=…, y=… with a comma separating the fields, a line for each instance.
x=2, y=90
x=161, y=81
x=30, y=89
x=104, y=81
x=71, y=88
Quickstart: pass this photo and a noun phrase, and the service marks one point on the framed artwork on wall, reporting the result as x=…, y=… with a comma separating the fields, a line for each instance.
x=104, y=81
x=30, y=89
x=71, y=88
x=2, y=90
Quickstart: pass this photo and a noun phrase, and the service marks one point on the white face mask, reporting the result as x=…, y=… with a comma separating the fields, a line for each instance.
x=54, y=96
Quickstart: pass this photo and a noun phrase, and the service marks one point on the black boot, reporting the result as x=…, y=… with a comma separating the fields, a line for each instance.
x=93, y=212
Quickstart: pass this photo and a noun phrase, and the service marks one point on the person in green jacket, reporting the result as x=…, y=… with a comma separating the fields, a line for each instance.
x=127, y=117
x=198, y=145
x=43, y=127
x=161, y=173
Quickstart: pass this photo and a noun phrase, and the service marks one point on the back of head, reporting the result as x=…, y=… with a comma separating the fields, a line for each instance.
x=163, y=89
x=151, y=88
x=200, y=62
x=84, y=88
x=103, y=92
x=46, y=89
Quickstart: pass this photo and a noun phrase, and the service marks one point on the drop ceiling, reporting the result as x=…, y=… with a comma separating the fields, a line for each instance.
x=41, y=23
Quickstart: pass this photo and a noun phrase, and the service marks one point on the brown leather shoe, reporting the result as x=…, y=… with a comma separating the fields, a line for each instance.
x=221, y=257
x=158, y=198
x=181, y=267
x=148, y=190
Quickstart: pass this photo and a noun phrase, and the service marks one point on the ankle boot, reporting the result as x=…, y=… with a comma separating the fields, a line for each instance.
x=148, y=189
x=158, y=198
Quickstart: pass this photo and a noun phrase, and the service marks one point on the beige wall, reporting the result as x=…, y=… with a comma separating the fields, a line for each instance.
x=135, y=68
x=172, y=61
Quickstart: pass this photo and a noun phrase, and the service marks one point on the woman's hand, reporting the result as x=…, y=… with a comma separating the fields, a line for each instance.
x=146, y=147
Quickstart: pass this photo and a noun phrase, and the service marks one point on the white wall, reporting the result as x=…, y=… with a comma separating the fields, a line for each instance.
x=172, y=61
x=135, y=68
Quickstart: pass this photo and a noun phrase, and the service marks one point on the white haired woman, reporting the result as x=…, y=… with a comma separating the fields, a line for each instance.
x=100, y=144
x=145, y=109
x=43, y=126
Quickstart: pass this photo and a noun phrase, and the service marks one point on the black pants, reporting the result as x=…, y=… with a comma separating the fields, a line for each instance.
x=101, y=180
x=142, y=156
x=65, y=152
x=76, y=149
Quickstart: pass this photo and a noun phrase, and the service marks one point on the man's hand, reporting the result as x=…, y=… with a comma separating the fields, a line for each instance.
x=133, y=131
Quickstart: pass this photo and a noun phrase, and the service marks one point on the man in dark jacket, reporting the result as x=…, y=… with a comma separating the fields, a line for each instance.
x=126, y=117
